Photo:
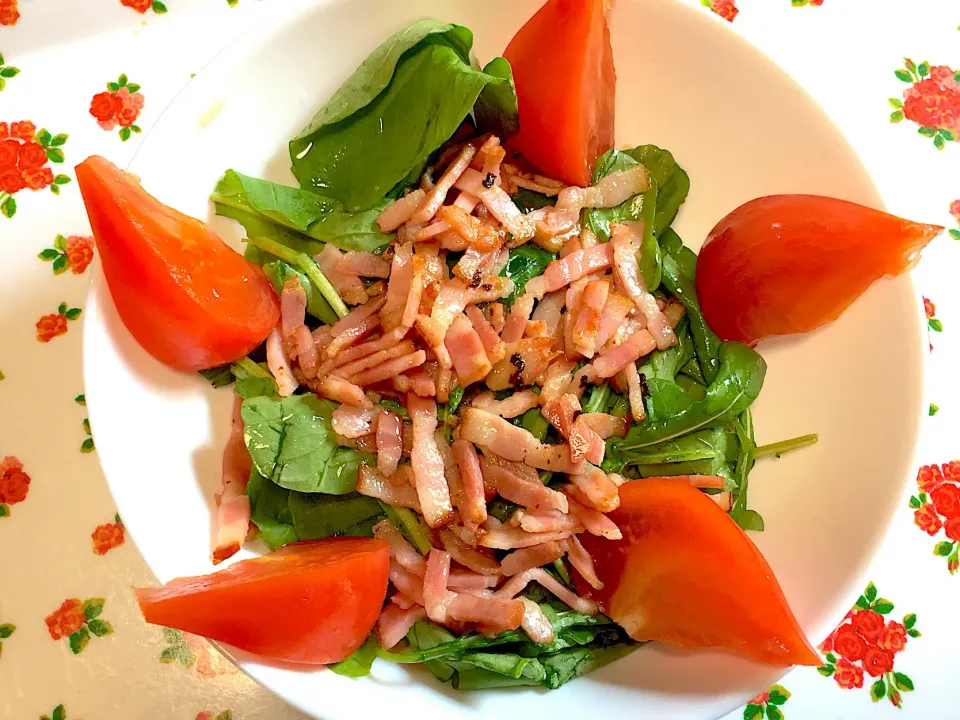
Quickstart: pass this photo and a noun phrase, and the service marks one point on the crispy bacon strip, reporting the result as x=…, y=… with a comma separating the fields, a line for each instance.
x=597, y=489
x=520, y=484
x=279, y=365
x=435, y=594
x=438, y=193
x=343, y=391
x=530, y=557
x=400, y=550
x=406, y=582
x=511, y=407
x=474, y=506
x=582, y=562
x=428, y=469
x=467, y=352
x=595, y=523
x=518, y=583
x=364, y=264
x=468, y=557
x=372, y=484
x=390, y=368
x=613, y=361
x=353, y=422
x=604, y=425
x=400, y=210
x=233, y=505
x=395, y=622
x=293, y=306
x=494, y=434
x=374, y=360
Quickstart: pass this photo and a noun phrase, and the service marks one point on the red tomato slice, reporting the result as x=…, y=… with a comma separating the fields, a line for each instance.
x=790, y=263
x=563, y=69
x=189, y=300
x=687, y=575
x=312, y=603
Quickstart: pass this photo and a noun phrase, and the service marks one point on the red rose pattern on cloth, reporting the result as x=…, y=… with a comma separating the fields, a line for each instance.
x=14, y=484
x=6, y=72
x=937, y=509
x=955, y=211
x=727, y=9
x=932, y=101
x=6, y=630
x=119, y=105
x=9, y=13
x=77, y=621
x=24, y=154
x=87, y=445
x=74, y=253
x=195, y=652
x=55, y=324
x=141, y=6
x=767, y=704
x=865, y=645
x=108, y=536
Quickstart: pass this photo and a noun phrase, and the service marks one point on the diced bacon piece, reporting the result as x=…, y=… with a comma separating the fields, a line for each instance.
x=416, y=381
x=353, y=319
x=597, y=489
x=389, y=442
x=635, y=393
x=293, y=306
x=453, y=297
x=372, y=484
x=497, y=316
x=398, y=286
x=390, y=368
x=279, y=365
x=612, y=190
x=446, y=381
x=364, y=264
x=587, y=325
x=233, y=505
x=399, y=211
x=394, y=623
x=468, y=557
x=501, y=206
x=585, y=444
x=616, y=359
x=508, y=538
x=511, y=407
x=466, y=202
x=403, y=602
x=724, y=500
x=549, y=312
x=437, y=227
x=560, y=273
x=516, y=323
x=353, y=422
x=374, y=360
x=501, y=437
x=673, y=312
x=406, y=582
x=586, y=375
x=306, y=351
x=574, y=296
x=617, y=309
x=627, y=270
x=595, y=523
x=349, y=287
x=482, y=237
x=474, y=507
x=343, y=391
x=582, y=562
x=492, y=343
x=547, y=521
x=535, y=623
x=403, y=475
x=616, y=479
x=714, y=482
x=570, y=246
x=427, y=463
x=535, y=556
x=604, y=425
x=400, y=550
x=519, y=582
x=451, y=470
x=561, y=411
x=467, y=352
x=536, y=286
x=438, y=193
x=535, y=356
x=449, y=240
x=556, y=379
x=520, y=484
x=463, y=580
x=435, y=595
x=471, y=182
x=587, y=238
x=352, y=336
x=417, y=283
x=359, y=352
x=495, y=612
x=433, y=334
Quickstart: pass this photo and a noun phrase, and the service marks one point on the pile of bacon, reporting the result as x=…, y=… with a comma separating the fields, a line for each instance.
x=419, y=330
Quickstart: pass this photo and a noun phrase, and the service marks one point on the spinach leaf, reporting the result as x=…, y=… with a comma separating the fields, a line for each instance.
x=316, y=516
x=665, y=364
x=529, y=200
x=509, y=664
x=564, y=666
x=696, y=390
x=278, y=272
x=525, y=262
x=249, y=387
x=705, y=341
x=735, y=387
x=496, y=110
x=359, y=151
x=219, y=376
x=270, y=511
x=672, y=181
x=292, y=443
x=639, y=208
x=360, y=662
x=686, y=259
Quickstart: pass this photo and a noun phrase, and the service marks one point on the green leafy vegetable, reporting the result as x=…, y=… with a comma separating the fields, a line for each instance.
x=316, y=217
x=317, y=516
x=270, y=511
x=249, y=387
x=496, y=110
x=456, y=396
x=705, y=341
x=410, y=524
x=742, y=515
x=525, y=262
x=784, y=446
x=407, y=98
x=736, y=386
x=278, y=272
x=673, y=183
x=218, y=376
x=685, y=258
x=360, y=662
x=530, y=200
x=305, y=264
x=666, y=364
x=292, y=443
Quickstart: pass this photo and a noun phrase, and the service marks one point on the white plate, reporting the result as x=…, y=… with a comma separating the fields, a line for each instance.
x=742, y=129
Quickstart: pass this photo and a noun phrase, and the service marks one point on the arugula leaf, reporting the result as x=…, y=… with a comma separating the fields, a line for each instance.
x=736, y=386
x=318, y=218
x=673, y=183
x=316, y=516
x=742, y=515
x=270, y=511
x=525, y=262
x=292, y=443
x=402, y=104
x=705, y=341
x=278, y=272
x=666, y=364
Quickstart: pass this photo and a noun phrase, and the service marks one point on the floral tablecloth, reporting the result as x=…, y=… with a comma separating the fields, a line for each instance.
x=90, y=76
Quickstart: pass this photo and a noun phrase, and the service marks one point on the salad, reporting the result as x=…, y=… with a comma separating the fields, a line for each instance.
x=491, y=416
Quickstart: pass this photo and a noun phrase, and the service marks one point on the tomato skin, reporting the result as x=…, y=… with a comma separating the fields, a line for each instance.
x=189, y=300
x=563, y=69
x=788, y=264
x=312, y=603
x=687, y=575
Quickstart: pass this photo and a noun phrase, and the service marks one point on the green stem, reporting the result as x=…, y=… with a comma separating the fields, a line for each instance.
x=245, y=367
x=784, y=446
x=308, y=266
x=597, y=400
x=408, y=522
x=535, y=423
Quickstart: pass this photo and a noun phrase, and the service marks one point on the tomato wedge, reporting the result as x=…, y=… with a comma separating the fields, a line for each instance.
x=563, y=69
x=312, y=603
x=189, y=300
x=788, y=264
x=687, y=575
